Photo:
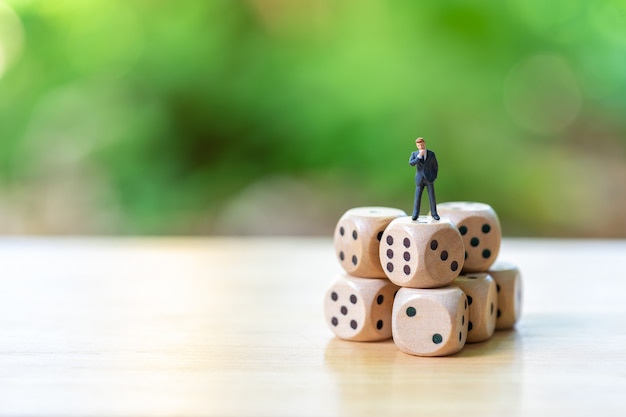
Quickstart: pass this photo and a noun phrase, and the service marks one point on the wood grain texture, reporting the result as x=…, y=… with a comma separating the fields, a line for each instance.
x=235, y=327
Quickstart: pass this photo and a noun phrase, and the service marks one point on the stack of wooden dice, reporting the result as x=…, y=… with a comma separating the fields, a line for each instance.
x=430, y=284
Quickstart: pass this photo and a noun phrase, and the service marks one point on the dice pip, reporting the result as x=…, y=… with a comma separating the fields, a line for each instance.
x=509, y=288
x=480, y=227
x=482, y=299
x=359, y=309
x=357, y=238
x=422, y=253
x=430, y=322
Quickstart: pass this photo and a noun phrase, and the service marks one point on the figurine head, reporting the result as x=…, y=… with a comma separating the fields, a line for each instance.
x=420, y=143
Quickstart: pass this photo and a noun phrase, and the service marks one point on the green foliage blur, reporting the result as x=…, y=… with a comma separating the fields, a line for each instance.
x=163, y=117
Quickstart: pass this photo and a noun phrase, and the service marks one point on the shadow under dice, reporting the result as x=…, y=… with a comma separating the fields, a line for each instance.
x=509, y=288
x=430, y=322
x=482, y=299
x=357, y=238
x=480, y=227
x=359, y=309
x=421, y=254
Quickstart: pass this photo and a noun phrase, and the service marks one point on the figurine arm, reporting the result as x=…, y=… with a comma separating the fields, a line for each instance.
x=413, y=159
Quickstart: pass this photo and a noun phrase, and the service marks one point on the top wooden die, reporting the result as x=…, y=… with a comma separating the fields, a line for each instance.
x=422, y=253
x=480, y=228
x=357, y=239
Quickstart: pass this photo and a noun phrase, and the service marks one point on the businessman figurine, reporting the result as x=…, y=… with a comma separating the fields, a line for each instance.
x=426, y=164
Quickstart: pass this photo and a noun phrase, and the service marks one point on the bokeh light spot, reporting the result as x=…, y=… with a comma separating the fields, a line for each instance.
x=542, y=94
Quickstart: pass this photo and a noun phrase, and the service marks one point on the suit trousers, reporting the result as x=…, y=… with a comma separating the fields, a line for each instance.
x=430, y=187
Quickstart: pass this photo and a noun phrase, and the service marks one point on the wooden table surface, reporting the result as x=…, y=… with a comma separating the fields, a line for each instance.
x=235, y=327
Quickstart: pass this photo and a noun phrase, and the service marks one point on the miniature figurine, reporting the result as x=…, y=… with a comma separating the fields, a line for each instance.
x=426, y=164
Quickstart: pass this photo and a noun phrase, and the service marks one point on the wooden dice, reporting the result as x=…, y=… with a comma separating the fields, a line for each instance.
x=482, y=299
x=423, y=256
x=430, y=284
x=509, y=288
x=480, y=227
x=358, y=305
x=425, y=253
x=359, y=309
x=357, y=238
x=430, y=322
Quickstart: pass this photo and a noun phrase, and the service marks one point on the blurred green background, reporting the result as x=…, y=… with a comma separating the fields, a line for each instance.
x=217, y=117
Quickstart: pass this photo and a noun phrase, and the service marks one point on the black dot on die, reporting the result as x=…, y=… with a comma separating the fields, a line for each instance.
x=334, y=296
x=498, y=287
x=380, y=299
x=434, y=244
x=486, y=228
x=406, y=242
x=454, y=266
x=353, y=299
x=342, y=256
x=342, y=231
x=354, y=235
x=492, y=309
x=499, y=313
x=379, y=235
x=354, y=260
x=407, y=270
x=469, y=300
x=437, y=338
x=469, y=326
x=389, y=267
x=334, y=321
x=407, y=256
x=474, y=242
x=460, y=336
x=410, y=311
x=463, y=230
x=444, y=255
x=379, y=324
x=353, y=324
x=344, y=310
x=465, y=254
x=389, y=254
x=466, y=303
x=389, y=240
x=462, y=320
x=486, y=253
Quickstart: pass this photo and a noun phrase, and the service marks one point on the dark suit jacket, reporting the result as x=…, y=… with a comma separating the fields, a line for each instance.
x=426, y=170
